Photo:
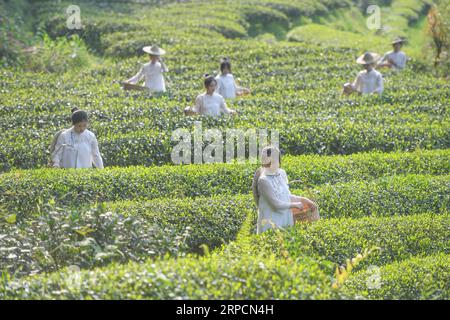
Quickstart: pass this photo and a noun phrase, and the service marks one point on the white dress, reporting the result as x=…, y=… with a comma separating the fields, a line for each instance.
x=77, y=150
x=212, y=105
x=153, y=73
x=274, y=204
x=226, y=86
x=399, y=59
x=368, y=82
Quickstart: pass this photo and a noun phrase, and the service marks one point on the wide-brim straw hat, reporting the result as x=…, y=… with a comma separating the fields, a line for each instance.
x=368, y=58
x=154, y=50
x=398, y=40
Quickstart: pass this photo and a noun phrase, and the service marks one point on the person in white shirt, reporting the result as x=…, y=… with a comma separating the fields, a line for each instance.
x=152, y=71
x=394, y=59
x=226, y=84
x=273, y=199
x=209, y=103
x=368, y=81
x=77, y=147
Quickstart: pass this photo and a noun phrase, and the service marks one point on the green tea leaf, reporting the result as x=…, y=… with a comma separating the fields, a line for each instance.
x=11, y=219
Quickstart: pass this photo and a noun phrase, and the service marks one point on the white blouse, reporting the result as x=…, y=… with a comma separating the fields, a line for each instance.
x=274, y=204
x=368, y=82
x=77, y=150
x=211, y=105
x=153, y=73
x=399, y=59
x=226, y=86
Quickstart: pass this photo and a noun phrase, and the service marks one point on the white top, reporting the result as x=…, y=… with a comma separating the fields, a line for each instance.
x=399, y=59
x=211, y=105
x=153, y=73
x=274, y=205
x=368, y=82
x=77, y=150
x=226, y=86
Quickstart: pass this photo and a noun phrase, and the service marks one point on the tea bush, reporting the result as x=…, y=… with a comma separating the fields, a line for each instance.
x=210, y=277
x=381, y=197
x=71, y=186
x=93, y=237
x=152, y=238
x=184, y=225
x=339, y=239
x=248, y=276
x=418, y=278
x=60, y=55
x=134, y=129
x=386, y=196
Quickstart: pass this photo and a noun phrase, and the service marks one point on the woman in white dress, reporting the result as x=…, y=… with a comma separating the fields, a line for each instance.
x=368, y=81
x=272, y=196
x=152, y=71
x=226, y=84
x=209, y=103
x=77, y=147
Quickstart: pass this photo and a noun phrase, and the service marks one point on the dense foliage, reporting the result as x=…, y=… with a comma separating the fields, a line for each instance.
x=80, y=187
x=144, y=228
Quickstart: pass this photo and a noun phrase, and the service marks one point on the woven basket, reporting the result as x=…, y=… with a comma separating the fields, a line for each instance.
x=305, y=215
x=129, y=86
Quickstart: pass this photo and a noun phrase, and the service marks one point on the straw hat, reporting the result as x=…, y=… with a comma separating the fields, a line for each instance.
x=368, y=58
x=398, y=40
x=154, y=50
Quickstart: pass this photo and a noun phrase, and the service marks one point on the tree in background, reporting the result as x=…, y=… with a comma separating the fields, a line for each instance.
x=438, y=28
x=15, y=30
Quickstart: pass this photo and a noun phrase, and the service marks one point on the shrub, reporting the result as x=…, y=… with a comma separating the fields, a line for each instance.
x=70, y=186
x=120, y=232
x=210, y=277
x=59, y=55
x=339, y=239
x=60, y=237
x=400, y=195
x=398, y=202
x=212, y=221
x=326, y=36
x=413, y=279
x=15, y=32
x=260, y=17
x=134, y=129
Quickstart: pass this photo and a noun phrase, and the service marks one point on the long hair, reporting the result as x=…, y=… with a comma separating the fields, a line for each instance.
x=255, y=185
